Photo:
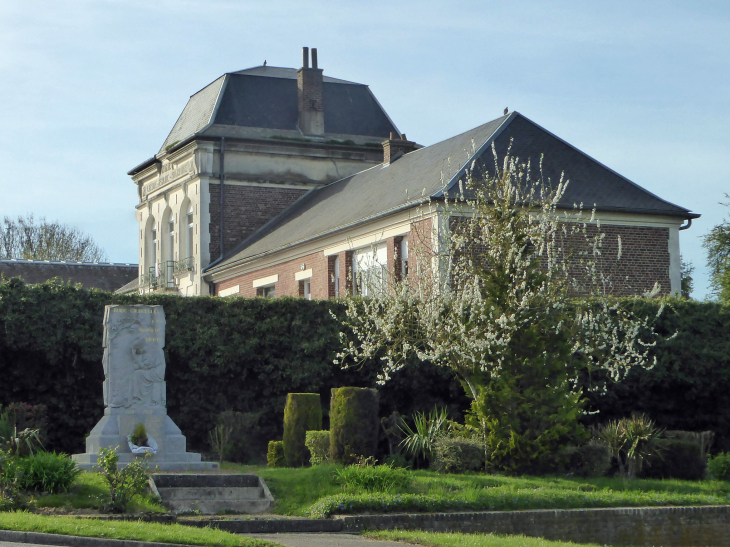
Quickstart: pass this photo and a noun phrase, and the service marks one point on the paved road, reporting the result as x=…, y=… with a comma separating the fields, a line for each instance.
x=326, y=540
x=13, y=544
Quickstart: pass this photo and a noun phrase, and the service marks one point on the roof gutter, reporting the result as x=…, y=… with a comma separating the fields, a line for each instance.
x=689, y=223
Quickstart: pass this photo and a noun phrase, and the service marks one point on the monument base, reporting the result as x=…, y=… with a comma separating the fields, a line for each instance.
x=116, y=424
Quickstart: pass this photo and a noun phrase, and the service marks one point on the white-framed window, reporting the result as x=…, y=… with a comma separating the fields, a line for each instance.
x=269, y=291
x=191, y=228
x=171, y=240
x=337, y=276
x=153, y=247
x=369, y=266
x=307, y=289
x=404, y=256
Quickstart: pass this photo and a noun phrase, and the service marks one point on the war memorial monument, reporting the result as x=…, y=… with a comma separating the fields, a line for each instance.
x=135, y=392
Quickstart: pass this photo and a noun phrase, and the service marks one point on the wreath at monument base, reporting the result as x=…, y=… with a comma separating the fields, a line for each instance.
x=150, y=448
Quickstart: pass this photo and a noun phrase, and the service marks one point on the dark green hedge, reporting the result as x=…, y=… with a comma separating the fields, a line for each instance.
x=222, y=354
x=689, y=388
x=247, y=354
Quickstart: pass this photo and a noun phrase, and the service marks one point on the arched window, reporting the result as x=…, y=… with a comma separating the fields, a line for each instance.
x=170, y=240
x=191, y=230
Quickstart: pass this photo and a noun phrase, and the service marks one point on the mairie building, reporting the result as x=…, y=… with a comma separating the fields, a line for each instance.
x=285, y=182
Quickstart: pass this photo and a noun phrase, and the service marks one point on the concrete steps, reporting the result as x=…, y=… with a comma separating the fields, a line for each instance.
x=212, y=494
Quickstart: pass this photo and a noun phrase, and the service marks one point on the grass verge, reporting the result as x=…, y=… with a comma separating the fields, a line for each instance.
x=431, y=539
x=89, y=491
x=313, y=491
x=129, y=530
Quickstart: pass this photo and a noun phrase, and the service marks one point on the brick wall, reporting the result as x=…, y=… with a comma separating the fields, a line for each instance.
x=247, y=208
x=644, y=261
x=320, y=282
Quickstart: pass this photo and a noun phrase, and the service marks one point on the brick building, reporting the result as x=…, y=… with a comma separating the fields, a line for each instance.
x=318, y=184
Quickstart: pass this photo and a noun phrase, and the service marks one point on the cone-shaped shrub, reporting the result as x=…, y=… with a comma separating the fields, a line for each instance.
x=354, y=423
x=303, y=412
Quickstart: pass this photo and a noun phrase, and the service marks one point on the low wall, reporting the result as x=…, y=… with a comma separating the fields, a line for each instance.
x=670, y=526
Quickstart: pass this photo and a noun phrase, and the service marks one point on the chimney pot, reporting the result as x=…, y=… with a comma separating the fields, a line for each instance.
x=393, y=136
x=403, y=137
x=314, y=57
x=305, y=57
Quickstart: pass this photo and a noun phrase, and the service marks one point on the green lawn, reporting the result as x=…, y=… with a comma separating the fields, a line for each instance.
x=431, y=539
x=129, y=530
x=313, y=492
x=89, y=492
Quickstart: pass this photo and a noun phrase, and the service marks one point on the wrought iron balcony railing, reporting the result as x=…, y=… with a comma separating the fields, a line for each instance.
x=185, y=265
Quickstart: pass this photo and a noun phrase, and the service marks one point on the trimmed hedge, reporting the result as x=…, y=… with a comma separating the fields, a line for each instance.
x=676, y=459
x=275, y=454
x=221, y=353
x=318, y=443
x=302, y=413
x=247, y=354
x=458, y=455
x=354, y=424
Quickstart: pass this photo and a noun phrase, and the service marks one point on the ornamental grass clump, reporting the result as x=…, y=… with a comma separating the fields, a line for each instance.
x=374, y=478
x=47, y=472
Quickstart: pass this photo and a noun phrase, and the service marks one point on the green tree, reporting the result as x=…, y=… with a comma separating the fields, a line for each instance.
x=495, y=301
x=687, y=285
x=717, y=244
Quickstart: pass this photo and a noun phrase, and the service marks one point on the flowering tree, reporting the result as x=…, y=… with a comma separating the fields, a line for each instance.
x=516, y=299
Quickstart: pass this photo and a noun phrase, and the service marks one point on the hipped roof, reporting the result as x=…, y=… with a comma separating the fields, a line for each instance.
x=426, y=173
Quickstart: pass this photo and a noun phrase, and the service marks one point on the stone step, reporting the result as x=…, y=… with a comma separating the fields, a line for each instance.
x=212, y=494
x=218, y=507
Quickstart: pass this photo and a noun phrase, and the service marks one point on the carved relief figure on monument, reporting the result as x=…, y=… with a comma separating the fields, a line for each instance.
x=134, y=361
x=147, y=387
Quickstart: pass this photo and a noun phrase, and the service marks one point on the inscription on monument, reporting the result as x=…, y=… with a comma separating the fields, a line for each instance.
x=134, y=360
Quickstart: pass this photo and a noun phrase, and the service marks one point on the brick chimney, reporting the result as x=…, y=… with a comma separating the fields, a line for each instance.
x=396, y=146
x=309, y=92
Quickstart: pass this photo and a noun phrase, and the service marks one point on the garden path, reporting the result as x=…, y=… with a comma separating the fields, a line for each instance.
x=326, y=540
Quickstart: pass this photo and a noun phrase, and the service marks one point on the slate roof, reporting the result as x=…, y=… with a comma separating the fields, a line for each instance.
x=91, y=275
x=424, y=174
x=266, y=97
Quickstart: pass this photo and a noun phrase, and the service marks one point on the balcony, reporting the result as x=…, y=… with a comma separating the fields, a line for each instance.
x=184, y=266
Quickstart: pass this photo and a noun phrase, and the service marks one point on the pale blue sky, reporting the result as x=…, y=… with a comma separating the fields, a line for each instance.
x=89, y=89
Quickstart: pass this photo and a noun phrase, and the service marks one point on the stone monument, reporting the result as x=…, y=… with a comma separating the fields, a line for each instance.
x=135, y=392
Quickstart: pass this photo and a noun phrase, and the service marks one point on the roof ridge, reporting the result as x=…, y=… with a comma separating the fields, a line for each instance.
x=67, y=262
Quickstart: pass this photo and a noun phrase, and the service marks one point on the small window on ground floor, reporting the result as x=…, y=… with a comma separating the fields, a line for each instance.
x=267, y=292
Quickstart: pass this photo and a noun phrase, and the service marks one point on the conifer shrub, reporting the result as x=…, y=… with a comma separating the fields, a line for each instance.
x=718, y=466
x=354, y=423
x=318, y=443
x=457, y=455
x=302, y=413
x=275, y=454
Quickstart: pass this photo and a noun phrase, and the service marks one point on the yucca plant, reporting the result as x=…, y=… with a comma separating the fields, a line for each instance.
x=428, y=429
x=18, y=443
x=630, y=441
